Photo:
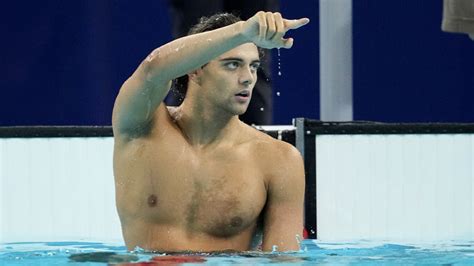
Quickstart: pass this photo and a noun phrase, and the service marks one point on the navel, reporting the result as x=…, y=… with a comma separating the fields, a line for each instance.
x=152, y=200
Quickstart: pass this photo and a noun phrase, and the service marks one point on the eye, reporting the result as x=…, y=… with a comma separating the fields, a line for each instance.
x=232, y=65
x=255, y=66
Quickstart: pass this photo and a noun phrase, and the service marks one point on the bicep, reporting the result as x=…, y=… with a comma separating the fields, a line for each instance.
x=285, y=204
x=136, y=102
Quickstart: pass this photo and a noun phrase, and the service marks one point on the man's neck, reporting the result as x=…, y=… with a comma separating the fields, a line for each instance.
x=203, y=126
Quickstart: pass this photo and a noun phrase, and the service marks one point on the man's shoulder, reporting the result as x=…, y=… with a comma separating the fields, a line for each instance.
x=256, y=138
x=278, y=160
x=266, y=147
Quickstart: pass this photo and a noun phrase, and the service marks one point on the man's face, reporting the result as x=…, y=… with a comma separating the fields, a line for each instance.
x=227, y=81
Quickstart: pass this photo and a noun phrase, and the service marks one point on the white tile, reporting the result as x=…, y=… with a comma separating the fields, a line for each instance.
x=402, y=187
x=58, y=189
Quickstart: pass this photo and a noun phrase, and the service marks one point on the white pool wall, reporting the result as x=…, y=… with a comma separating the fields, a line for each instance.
x=404, y=188
x=57, y=189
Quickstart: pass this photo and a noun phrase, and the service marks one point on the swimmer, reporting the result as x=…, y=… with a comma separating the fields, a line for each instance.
x=194, y=177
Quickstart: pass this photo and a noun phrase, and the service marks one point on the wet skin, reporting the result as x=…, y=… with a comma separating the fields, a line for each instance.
x=195, y=177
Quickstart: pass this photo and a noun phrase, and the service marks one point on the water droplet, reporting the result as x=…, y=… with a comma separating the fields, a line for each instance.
x=137, y=249
x=261, y=109
x=279, y=63
x=300, y=242
x=152, y=55
x=274, y=248
x=278, y=93
x=148, y=111
x=298, y=238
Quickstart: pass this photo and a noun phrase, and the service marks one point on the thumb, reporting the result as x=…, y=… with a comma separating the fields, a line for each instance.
x=288, y=43
x=295, y=23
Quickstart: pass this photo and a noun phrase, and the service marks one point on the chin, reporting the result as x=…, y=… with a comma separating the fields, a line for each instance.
x=237, y=109
x=241, y=111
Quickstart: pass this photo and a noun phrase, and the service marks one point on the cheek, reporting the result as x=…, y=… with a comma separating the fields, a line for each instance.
x=224, y=81
x=220, y=83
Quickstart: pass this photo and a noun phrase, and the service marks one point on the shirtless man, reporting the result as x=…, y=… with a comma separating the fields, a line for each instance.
x=194, y=177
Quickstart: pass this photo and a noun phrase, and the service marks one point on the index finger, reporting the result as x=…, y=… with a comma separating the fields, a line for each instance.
x=291, y=24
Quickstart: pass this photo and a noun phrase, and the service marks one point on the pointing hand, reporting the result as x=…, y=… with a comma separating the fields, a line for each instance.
x=267, y=29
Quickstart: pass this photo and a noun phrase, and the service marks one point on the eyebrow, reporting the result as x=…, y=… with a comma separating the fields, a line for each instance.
x=238, y=59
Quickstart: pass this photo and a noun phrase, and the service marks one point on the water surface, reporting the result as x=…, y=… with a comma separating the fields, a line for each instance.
x=313, y=252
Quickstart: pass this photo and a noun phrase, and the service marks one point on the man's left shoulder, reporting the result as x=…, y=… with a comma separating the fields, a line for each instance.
x=280, y=162
x=283, y=150
x=273, y=151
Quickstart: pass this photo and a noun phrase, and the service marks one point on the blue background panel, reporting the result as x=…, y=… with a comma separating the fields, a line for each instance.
x=405, y=68
x=64, y=61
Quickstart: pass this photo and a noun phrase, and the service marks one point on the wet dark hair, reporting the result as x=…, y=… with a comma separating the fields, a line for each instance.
x=219, y=20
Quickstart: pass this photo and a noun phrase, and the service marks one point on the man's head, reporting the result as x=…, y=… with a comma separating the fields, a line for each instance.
x=226, y=83
x=207, y=24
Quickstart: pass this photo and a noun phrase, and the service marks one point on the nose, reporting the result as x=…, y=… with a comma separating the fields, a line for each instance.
x=247, y=76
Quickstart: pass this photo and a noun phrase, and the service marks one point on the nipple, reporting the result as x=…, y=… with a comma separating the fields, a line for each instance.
x=236, y=222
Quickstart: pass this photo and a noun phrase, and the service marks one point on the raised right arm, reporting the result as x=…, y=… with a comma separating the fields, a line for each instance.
x=145, y=90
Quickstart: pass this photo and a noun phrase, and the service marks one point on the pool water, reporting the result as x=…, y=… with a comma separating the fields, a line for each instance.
x=313, y=252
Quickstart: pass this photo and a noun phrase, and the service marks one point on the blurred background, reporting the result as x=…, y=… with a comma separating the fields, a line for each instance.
x=63, y=62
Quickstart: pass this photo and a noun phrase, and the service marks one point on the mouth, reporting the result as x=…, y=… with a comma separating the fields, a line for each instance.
x=244, y=93
x=243, y=96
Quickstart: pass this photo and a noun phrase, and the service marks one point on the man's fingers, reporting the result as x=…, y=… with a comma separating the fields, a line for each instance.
x=267, y=29
x=295, y=23
x=280, y=27
x=271, y=28
x=263, y=25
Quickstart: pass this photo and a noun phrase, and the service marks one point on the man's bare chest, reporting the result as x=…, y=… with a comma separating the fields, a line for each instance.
x=220, y=194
